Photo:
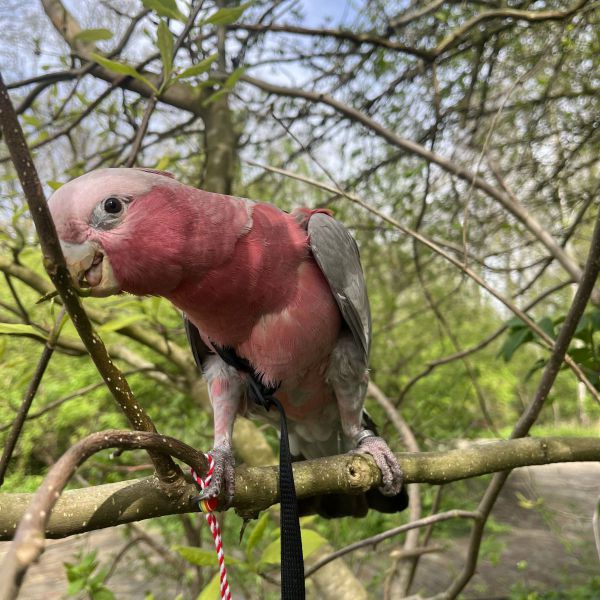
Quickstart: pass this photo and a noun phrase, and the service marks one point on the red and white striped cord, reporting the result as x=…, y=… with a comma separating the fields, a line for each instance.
x=207, y=506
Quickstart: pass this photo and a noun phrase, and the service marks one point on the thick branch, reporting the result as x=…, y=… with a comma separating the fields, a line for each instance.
x=178, y=95
x=112, y=504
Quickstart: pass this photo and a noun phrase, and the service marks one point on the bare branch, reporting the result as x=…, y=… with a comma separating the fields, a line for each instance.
x=516, y=209
x=380, y=537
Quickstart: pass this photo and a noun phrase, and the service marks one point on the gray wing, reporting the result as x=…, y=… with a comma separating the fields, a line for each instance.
x=199, y=349
x=337, y=255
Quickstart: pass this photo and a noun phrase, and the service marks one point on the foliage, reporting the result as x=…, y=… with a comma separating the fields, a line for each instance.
x=85, y=577
x=581, y=592
x=510, y=99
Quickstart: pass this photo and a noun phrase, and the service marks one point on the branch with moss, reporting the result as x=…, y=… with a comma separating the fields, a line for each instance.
x=97, y=507
x=48, y=514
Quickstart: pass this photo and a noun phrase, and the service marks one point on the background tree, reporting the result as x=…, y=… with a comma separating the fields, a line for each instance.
x=472, y=124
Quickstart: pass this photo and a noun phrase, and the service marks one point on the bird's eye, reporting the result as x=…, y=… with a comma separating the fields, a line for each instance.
x=113, y=205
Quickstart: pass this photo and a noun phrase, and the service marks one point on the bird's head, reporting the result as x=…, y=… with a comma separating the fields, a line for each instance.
x=122, y=230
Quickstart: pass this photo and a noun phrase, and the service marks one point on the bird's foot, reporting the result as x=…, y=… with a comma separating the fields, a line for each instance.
x=391, y=474
x=223, y=477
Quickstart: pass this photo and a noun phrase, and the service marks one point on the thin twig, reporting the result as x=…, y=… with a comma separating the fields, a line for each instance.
x=380, y=537
x=143, y=128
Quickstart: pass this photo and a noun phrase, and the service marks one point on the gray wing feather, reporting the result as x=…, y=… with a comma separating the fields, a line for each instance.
x=337, y=255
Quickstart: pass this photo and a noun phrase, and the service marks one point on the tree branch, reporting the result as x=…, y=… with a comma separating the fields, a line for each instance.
x=97, y=507
x=516, y=209
x=530, y=414
x=178, y=95
x=28, y=542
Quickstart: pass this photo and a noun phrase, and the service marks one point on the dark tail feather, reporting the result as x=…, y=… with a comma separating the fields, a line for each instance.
x=333, y=506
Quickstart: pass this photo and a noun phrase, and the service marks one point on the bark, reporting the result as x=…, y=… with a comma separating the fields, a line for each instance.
x=112, y=504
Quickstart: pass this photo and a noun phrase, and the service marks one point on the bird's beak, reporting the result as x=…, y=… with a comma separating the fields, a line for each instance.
x=90, y=268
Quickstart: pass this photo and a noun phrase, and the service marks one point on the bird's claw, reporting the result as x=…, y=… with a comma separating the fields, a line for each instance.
x=391, y=474
x=223, y=477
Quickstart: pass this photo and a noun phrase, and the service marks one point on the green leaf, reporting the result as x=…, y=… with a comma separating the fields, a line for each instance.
x=122, y=69
x=103, y=594
x=120, y=322
x=165, y=8
x=161, y=165
x=54, y=185
x=212, y=98
x=516, y=339
x=233, y=78
x=17, y=329
x=93, y=35
x=257, y=533
x=198, y=68
x=311, y=541
x=75, y=586
x=515, y=323
x=225, y=16
x=584, y=329
x=31, y=120
x=164, y=41
x=272, y=553
x=201, y=556
x=547, y=326
x=212, y=590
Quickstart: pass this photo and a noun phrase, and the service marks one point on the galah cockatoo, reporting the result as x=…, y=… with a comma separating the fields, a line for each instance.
x=285, y=292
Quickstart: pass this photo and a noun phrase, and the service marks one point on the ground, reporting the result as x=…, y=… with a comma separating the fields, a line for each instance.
x=542, y=539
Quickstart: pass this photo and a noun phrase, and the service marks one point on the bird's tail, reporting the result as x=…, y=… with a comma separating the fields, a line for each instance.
x=333, y=506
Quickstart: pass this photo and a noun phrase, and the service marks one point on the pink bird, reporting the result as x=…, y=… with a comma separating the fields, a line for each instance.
x=283, y=292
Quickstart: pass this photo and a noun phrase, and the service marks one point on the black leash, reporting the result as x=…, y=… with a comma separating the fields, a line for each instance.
x=292, y=561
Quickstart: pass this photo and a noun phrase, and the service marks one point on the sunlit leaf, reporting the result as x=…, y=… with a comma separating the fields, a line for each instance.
x=93, y=35
x=198, y=68
x=227, y=15
x=121, y=69
x=311, y=541
x=17, y=329
x=212, y=590
x=120, y=323
x=165, y=8
x=202, y=557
